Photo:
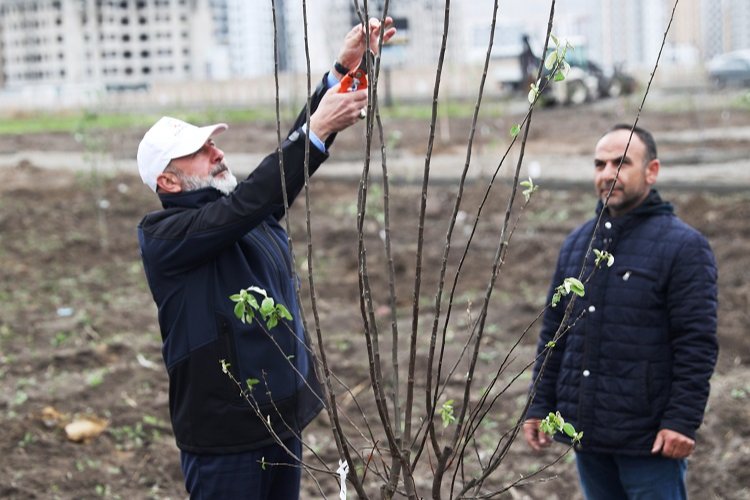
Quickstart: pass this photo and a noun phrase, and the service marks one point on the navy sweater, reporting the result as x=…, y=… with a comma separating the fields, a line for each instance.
x=640, y=357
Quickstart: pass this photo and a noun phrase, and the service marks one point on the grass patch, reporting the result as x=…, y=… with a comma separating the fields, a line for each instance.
x=82, y=121
x=86, y=120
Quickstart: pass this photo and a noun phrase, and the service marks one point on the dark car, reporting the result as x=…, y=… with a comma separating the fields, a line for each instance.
x=732, y=68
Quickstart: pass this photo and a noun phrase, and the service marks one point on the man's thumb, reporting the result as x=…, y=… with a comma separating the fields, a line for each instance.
x=658, y=443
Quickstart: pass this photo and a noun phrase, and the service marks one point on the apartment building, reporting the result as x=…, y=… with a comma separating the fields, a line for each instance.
x=726, y=26
x=117, y=44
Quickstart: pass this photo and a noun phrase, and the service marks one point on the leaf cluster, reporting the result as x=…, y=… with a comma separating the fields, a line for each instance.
x=554, y=423
x=247, y=307
x=569, y=285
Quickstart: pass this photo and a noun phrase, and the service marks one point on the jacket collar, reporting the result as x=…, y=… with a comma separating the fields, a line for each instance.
x=190, y=199
x=652, y=205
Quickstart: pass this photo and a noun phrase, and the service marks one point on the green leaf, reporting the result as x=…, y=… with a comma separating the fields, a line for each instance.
x=569, y=430
x=554, y=39
x=530, y=188
x=515, y=130
x=283, y=312
x=576, y=286
x=239, y=310
x=559, y=76
x=272, y=321
x=251, y=301
x=267, y=307
x=235, y=298
x=550, y=60
x=224, y=365
x=251, y=383
x=533, y=92
x=551, y=344
x=446, y=413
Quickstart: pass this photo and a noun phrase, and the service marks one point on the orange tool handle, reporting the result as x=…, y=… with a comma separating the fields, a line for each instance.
x=355, y=80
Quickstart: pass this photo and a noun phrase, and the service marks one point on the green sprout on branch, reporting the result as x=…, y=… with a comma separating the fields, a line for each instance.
x=603, y=256
x=534, y=91
x=555, y=60
x=555, y=64
x=554, y=423
x=515, y=130
x=247, y=307
x=569, y=285
x=446, y=413
x=530, y=188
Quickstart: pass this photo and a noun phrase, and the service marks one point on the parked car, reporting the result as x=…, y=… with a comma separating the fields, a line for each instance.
x=732, y=68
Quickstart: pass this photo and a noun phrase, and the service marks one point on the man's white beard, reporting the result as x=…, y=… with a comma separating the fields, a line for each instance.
x=225, y=183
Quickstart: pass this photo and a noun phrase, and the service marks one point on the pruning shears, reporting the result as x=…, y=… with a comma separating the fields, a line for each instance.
x=354, y=80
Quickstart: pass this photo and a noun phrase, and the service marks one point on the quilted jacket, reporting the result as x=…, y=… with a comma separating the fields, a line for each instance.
x=639, y=348
x=202, y=248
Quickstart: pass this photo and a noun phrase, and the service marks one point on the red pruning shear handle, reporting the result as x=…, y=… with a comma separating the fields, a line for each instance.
x=355, y=80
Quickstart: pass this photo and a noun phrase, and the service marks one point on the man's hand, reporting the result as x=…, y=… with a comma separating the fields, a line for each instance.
x=336, y=111
x=535, y=437
x=353, y=47
x=672, y=444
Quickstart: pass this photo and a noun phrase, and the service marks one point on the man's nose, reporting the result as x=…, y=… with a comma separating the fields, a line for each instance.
x=216, y=154
x=610, y=170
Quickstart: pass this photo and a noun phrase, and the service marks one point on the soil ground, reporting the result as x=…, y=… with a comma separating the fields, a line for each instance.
x=78, y=330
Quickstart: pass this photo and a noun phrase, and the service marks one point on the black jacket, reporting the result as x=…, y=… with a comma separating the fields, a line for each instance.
x=641, y=356
x=197, y=251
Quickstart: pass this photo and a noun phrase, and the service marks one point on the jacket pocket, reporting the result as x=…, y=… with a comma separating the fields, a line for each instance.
x=626, y=274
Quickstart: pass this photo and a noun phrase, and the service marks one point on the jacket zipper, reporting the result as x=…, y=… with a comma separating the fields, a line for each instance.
x=284, y=256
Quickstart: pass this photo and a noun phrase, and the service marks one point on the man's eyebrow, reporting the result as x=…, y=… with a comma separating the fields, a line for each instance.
x=624, y=159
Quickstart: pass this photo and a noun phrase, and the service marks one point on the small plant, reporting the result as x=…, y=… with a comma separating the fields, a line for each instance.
x=554, y=423
x=569, y=285
x=247, y=307
x=530, y=188
x=603, y=256
x=555, y=60
x=28, y=438
x=446, y=413
x=555, y=64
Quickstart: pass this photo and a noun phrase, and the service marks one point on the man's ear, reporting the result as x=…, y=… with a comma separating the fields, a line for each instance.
x=168, y=182
x=652, y=171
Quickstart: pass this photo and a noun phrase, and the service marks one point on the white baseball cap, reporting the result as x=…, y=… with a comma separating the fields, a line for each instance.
x=167, y=139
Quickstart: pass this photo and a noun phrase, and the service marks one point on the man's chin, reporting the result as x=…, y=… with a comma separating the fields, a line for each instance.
x=225, y=182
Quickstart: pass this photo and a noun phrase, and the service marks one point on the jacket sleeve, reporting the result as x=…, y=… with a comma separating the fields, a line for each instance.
x=301, y=120
x=692, y=305
x=545, y=399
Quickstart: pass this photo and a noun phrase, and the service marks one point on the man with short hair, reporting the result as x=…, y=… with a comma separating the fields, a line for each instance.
x=214, y=237
x=631, y=368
